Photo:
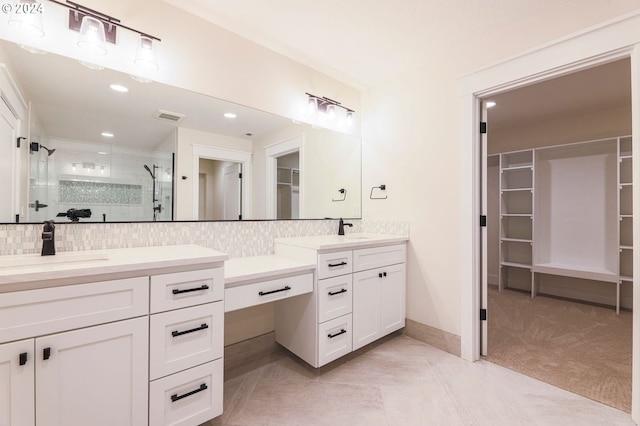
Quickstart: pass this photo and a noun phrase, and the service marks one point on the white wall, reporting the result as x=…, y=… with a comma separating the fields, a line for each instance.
x=410, y=144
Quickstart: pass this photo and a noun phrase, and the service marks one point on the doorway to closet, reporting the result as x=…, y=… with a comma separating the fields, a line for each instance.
x=559, y=232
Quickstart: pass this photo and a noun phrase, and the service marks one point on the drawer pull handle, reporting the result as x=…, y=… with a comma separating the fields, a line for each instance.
x=46, y=353
x=23, y=358
x=176, y=397
x=264, y=293
x=333, y=265
x=188, y=290
x=180, y=333
x=331, y=336
x=333, y=293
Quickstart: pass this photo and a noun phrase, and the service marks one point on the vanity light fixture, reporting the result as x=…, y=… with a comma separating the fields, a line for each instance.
x=328, y=109
x=96, y=29
x=26, y=17
x=146, y=57
x=92, y=36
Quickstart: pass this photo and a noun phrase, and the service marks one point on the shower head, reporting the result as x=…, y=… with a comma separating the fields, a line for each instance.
x=35, y=147
x=150, y=172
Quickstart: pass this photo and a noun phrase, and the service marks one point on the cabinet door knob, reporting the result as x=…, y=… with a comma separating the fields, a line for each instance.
x=46, y=353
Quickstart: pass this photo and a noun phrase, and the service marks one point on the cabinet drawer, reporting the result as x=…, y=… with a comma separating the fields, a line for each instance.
x=244, y=296
x=376, y=257
x=185, y=337
x=190, y=397
x=182, y=289
x=334, y=264
x=334, y=297
x=334, y=339
x=50, y=310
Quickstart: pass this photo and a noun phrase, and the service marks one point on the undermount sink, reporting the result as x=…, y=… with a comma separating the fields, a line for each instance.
x=59, y=258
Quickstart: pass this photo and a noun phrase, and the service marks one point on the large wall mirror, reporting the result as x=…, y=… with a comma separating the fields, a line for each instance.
x=156, y=152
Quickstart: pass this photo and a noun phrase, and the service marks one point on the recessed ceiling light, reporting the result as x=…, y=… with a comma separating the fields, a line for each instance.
x=107, y=134
x=118, y=88
x=230, y=115
x=491, y=104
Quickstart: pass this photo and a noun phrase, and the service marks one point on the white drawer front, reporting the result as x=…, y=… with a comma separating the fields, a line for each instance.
x=50, y=310
x=376, y=257
x=185, y=337
x=334, y=264
x=244, y=296
x=190, y=397
x=334, y=339
x=334, y=297
x=182, y=289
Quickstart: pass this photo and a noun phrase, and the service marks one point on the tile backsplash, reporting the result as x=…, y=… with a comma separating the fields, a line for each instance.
x=237, y=239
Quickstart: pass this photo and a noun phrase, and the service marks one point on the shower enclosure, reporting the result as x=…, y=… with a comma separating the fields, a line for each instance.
x=112, y=181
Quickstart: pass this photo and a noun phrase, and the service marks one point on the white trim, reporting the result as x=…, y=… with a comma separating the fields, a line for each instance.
x=222, y=154
x=594, y=46
x=271, y=153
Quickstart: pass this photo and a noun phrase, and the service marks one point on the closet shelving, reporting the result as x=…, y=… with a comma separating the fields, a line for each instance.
x=625, y=212
x=516, y=216
x=561, y=214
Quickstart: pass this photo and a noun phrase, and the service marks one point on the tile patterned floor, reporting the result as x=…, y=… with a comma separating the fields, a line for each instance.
x=400, y=381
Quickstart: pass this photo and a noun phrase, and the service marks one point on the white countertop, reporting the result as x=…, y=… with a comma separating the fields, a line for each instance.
x=241, y=269
x=330, y=242
x=31, y=268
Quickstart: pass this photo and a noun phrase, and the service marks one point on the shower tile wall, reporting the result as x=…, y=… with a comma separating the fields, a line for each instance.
x=238, y=239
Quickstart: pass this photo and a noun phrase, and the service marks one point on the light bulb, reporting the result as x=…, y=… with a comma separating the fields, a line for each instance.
x=92, y=37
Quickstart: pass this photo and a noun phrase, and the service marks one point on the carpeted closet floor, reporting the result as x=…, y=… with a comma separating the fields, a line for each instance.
x=581, y=348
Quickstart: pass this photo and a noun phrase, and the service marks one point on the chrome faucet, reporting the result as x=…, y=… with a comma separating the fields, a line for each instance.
x=341, y=226
x=48, y=238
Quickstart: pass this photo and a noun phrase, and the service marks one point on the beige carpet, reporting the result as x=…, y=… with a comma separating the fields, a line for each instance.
x=581, y=348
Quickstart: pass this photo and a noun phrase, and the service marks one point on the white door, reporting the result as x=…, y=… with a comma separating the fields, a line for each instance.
x=16, y=384
x=483, y=232
x=94, y=376
x=393, y=299
x=367, y=289
x=8, y=134
x=232, y=190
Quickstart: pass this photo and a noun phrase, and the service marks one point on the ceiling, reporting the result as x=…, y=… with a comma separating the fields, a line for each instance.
x=595, y=89
x=365, y=42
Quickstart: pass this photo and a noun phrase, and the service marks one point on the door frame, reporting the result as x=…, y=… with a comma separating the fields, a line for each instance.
x=607, y=42
x=271, y=153
x=221, y=154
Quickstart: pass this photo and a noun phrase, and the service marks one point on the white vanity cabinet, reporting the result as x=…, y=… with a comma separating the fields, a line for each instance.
x=186, y=342
x=131, y=337
x=63, y=375
x=359, y=297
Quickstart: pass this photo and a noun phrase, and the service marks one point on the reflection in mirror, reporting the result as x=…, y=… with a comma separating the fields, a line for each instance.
x=155, y=152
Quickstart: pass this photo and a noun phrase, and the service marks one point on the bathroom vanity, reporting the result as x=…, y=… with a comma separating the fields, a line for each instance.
x=359, y=295
x=113, y=337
